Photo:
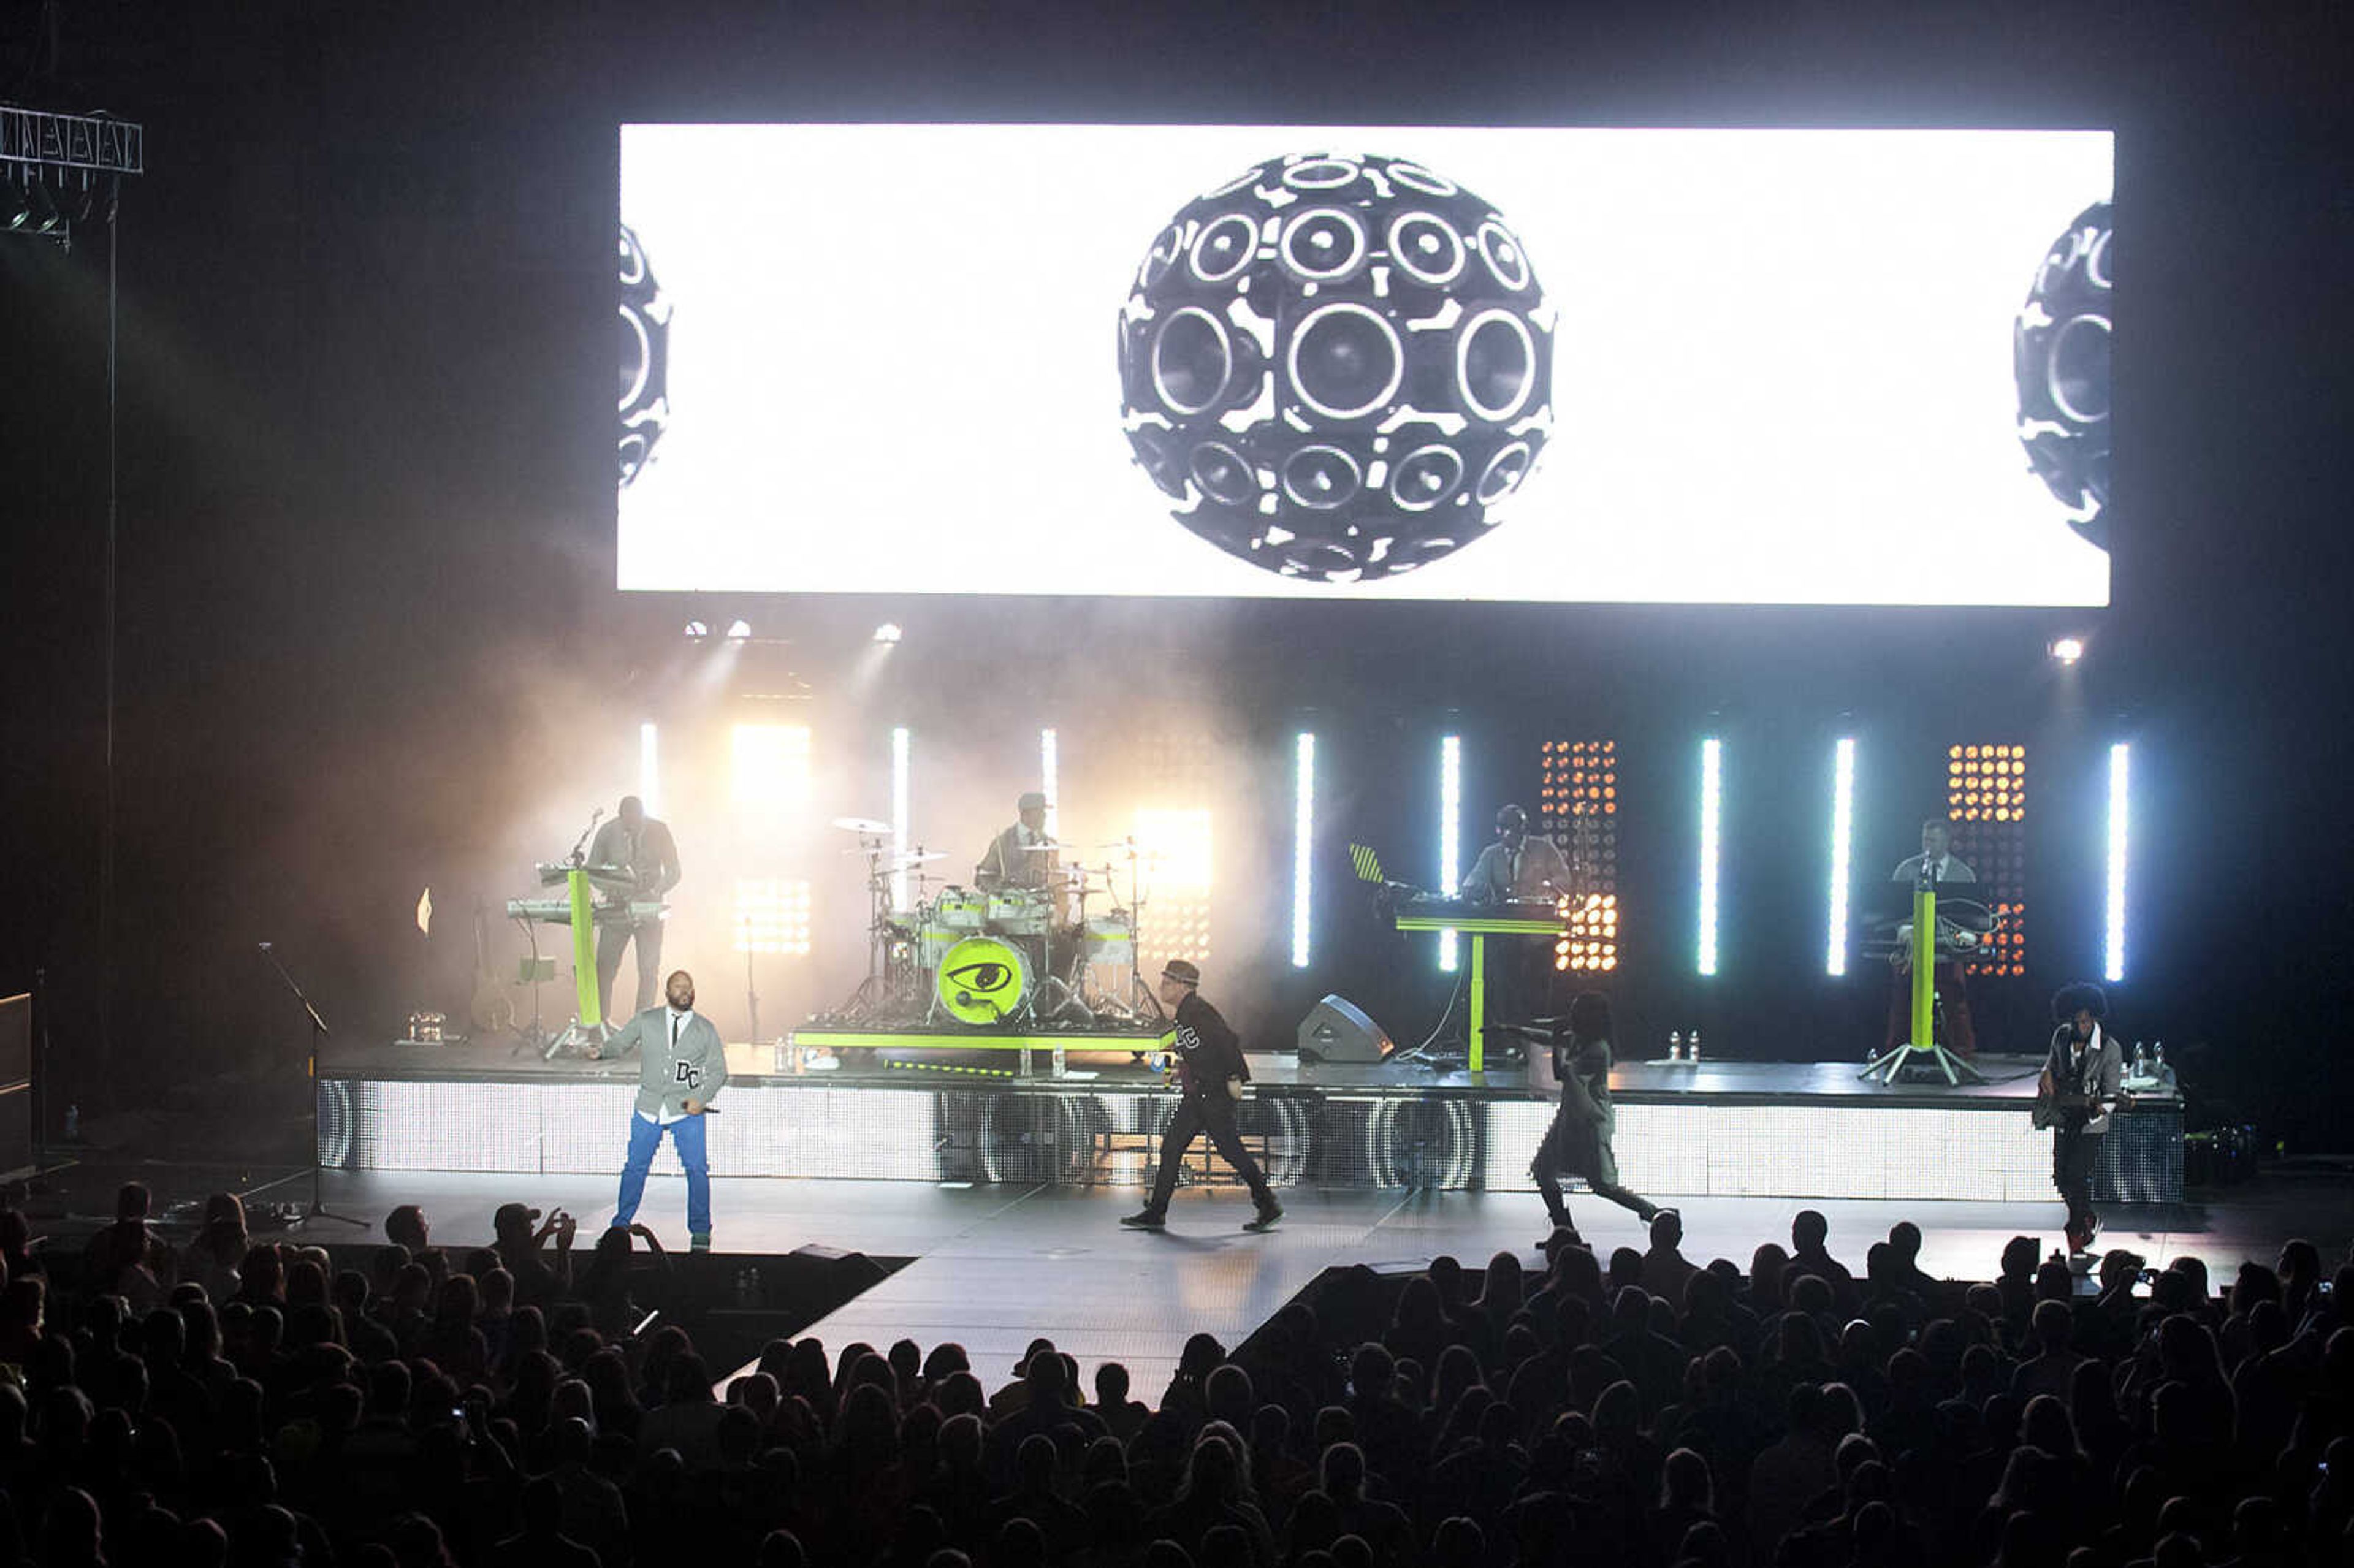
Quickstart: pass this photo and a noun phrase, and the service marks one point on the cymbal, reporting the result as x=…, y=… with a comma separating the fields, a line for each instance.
x=861, y=825
x=1042, y=848
x=919, y=857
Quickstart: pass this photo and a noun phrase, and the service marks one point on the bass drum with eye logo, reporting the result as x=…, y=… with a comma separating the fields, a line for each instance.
x=983, y=980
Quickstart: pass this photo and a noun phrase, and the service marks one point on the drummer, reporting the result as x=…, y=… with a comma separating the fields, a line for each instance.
x=1020, y=856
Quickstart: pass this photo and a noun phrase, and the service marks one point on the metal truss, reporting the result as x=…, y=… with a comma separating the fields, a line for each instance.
x=35, y=136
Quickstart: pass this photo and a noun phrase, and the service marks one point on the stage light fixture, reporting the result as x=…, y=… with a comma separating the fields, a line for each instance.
x=2119, y=814
x=1712, y=792
x=1049, y=783
x=1842, y=836
x=772, y=916
x=771, y=771
x=1450, y=828
x=650, y=769
x=899, y=749
x=1303, y=839
x=696, y=631
x=2067, y=650
x=739, y=631
x=887, y=632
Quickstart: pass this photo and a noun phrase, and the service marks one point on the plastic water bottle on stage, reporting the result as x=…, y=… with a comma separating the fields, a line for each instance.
x=1675, y=1044
x=1694, y=1054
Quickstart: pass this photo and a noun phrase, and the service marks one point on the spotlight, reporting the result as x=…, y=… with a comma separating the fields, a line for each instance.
x=698, y=630
x=739, y=631
x=887, y=632
x=2067, y=650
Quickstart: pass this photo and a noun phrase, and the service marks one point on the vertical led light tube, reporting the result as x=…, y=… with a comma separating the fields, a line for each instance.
x=1711, y=789
x=1303, y=838
x=1842, y=840
x=1450, y=828
x=1048, y=766
x=2114, y=970
x=650, y=769
x=898, y=816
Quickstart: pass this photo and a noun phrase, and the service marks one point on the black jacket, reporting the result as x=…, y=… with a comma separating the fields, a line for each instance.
x=1208, y=1051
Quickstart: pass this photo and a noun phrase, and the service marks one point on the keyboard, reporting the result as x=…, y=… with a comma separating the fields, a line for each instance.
x=558, y=911
x=1513, y=916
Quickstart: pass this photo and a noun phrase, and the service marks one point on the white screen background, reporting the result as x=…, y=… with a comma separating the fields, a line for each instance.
x=1782, y=369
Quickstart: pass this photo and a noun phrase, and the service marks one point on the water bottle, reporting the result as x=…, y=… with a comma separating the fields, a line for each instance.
x=1058, y=1055
x=1675, y=1044
x=1694, y=1054
x=2140, y=1060
x=73, y=1123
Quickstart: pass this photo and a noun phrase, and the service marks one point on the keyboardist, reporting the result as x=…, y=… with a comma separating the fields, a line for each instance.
x=1517, y=867
x=643, y=846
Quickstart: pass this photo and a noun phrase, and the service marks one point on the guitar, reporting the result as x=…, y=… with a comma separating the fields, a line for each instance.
x=2053, y=1108
x=492, y=1008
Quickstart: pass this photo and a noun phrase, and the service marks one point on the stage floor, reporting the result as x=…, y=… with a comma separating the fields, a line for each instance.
x=997, y=1265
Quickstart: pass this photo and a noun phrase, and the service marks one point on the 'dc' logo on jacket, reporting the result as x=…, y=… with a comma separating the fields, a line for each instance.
x=686, y=1072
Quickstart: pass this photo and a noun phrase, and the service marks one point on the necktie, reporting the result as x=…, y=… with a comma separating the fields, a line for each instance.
x=674, y=1022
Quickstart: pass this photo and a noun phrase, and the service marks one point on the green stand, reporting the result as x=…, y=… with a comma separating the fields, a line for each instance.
x=1886, y=1065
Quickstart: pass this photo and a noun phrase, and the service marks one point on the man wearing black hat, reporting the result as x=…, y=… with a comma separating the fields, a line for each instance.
x=2080, y=1082
x=1018, y=857
x=1211, y=1071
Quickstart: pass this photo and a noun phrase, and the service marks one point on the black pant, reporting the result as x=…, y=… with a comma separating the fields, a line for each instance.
x=1197, y=1114
x=610, y=940
x=1558, y=1153
x=2074, y=1157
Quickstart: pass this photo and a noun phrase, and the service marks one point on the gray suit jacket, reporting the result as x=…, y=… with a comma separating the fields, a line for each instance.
x=2099, y=1071
x=668, y=1075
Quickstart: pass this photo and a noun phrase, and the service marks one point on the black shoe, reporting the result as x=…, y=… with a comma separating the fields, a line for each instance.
x=1268, y=1213
x=1149, y=1220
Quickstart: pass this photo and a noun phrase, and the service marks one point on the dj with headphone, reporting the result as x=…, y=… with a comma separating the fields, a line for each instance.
x=1518, y=867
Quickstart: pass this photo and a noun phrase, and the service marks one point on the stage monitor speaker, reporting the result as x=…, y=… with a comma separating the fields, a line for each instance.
x=1337, y=1030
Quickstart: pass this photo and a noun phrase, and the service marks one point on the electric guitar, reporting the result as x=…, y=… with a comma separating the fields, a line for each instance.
x=2053, y=1108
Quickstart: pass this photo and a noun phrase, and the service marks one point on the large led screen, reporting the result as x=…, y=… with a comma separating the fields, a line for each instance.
x=1722, y=366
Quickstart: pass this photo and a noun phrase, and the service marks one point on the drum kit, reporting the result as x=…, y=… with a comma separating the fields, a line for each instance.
x=1011, y=957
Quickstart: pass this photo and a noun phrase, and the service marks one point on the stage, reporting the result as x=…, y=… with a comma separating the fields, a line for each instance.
x=990, y=1266
x=1685, y=1129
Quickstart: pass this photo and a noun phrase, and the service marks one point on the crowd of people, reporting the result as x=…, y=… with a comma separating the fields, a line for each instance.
x=229, y=1403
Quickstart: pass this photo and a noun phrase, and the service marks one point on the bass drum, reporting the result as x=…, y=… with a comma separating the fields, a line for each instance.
x=983, y=980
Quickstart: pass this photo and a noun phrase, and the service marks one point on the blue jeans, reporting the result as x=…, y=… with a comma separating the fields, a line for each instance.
x=645, y=1136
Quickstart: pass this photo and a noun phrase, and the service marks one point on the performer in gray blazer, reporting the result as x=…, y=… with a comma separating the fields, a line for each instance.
x=682, y=1065
x=2083, y=1062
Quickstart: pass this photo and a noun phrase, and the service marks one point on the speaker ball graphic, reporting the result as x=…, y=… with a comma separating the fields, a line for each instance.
x=644, y=408
x=1339, y=366
x=2060, y=358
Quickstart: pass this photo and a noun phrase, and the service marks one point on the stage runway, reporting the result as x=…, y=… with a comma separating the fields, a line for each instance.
x=994, y=1265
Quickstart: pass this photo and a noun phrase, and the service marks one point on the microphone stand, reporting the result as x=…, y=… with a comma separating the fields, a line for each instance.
x=317, y=1211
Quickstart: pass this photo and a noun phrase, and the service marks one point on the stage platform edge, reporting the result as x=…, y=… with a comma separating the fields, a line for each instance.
x=1720, y=1129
